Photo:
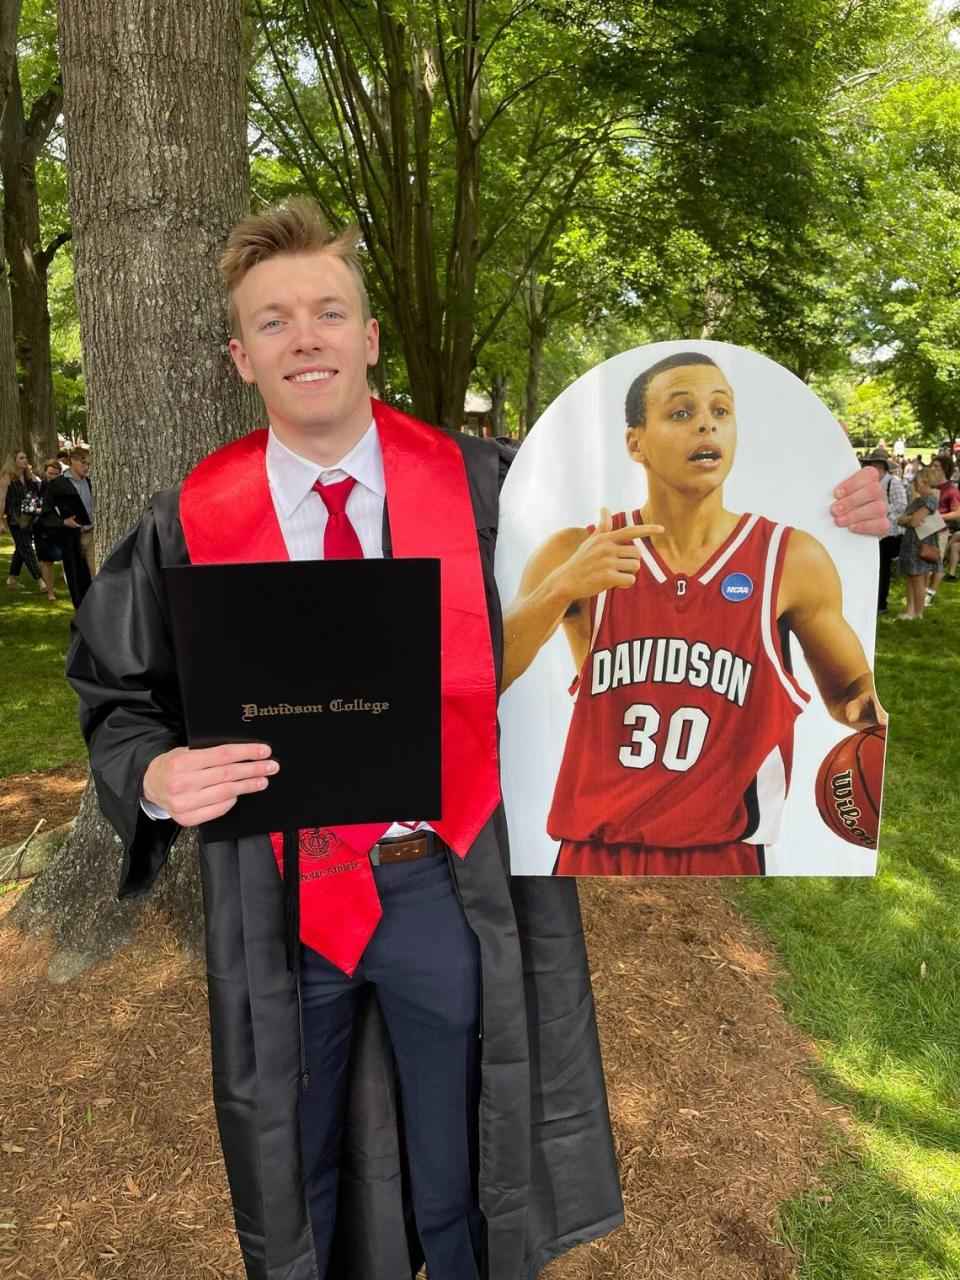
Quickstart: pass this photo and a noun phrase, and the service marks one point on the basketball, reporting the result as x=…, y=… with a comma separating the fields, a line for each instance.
x=849, y=786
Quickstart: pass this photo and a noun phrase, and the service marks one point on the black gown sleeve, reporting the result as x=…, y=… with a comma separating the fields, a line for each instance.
x=121, y=664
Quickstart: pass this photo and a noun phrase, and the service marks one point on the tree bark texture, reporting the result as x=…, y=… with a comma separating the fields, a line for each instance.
x=155, y=114
x=498, y=403
x=21, y=141
x=537, y=302
x=10, y=439
x=158, y=174
x=10, y=434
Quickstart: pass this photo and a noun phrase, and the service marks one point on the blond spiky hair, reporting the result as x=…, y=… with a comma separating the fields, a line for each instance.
x=295, y=227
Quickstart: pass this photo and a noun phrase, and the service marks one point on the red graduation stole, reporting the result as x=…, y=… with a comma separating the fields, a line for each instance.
x=228, y=517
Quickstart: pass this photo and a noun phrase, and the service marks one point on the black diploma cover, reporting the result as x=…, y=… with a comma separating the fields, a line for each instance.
x=335, y=664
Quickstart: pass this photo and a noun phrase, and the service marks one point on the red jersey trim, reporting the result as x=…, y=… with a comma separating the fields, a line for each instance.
x=769, y=621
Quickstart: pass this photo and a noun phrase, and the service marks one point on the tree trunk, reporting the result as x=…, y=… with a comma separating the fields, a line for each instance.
x=10, y=435
x=10, y=439
x=21, y=141
x=531, y=391
x=461, y=280
x=498, y=403
x=155, y=113
x=538, y=301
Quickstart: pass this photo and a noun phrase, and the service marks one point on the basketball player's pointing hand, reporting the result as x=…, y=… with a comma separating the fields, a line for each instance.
x=560, y=579
x=605, y=558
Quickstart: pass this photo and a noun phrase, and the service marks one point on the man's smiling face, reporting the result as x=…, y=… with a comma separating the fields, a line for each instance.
x=690, y=435
x=304, y=342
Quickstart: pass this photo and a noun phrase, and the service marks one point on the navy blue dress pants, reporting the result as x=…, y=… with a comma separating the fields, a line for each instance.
x=424, y=962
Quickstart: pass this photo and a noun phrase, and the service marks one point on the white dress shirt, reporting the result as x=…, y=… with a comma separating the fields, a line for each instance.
x=302, y=515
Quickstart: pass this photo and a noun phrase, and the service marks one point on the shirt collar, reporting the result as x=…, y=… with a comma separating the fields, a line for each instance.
x=292, y=476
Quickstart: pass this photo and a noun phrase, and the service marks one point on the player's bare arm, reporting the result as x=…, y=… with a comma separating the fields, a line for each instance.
x=811, y=601
x=859, y=504
x=559, y=580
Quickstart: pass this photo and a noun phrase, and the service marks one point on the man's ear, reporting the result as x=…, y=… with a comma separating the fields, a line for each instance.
x=635, y=443
x=373, y=342
x=241, y=360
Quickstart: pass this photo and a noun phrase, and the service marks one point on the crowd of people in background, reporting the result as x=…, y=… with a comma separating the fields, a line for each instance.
x=923, y=541
x=50, y=519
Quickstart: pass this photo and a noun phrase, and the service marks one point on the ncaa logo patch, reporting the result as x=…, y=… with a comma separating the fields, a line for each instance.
x=736, y=586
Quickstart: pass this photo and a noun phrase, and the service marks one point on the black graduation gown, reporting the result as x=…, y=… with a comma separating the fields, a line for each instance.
x=547, y=1175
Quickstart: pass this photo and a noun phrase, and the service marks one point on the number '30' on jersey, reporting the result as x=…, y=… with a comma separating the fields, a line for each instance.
x=682, y=728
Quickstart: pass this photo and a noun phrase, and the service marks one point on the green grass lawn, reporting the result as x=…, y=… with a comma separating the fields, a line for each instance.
x=875, y=979
x=37, y=707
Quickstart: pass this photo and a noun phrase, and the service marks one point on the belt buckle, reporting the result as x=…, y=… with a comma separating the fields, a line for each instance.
x=375, y=856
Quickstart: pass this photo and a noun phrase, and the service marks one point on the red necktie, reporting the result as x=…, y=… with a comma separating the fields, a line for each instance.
x=340, y=541
x=339, y=907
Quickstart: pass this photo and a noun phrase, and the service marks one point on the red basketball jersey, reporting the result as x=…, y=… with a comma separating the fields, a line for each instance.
x=682, y=730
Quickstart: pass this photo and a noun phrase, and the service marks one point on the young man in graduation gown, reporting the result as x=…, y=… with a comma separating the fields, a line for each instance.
x=440, y=1001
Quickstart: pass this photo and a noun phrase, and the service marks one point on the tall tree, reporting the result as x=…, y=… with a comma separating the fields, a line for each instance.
x=388, y=111
x=155, y=114
x=24, y=131
x=10, y=436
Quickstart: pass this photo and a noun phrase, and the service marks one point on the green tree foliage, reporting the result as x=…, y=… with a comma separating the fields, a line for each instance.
x=541, y=184
x=916, y=299
x=457, y=138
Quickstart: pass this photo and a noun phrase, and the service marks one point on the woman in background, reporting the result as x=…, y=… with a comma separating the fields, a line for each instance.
x=913, y=566
x=45, y=540
x=20, y=505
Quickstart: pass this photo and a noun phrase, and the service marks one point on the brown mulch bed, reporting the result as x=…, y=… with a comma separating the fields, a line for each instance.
x=109, y=1159
x=53, y=795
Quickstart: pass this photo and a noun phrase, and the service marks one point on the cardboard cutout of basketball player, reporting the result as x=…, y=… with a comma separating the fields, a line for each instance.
x=689, y=635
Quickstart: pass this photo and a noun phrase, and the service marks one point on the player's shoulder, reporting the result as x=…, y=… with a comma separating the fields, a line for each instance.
x=809, y=575
x=805, y=552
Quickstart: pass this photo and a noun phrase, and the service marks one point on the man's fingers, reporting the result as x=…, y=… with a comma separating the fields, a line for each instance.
x=193, y=817
x=230, y=773
x=865, y=476
x=229, y=753
x=200, y=782
x=875, y=527
x=859, y=506
x=850, y=515
x=606, y=521
x=226, y=791
x=211, y=802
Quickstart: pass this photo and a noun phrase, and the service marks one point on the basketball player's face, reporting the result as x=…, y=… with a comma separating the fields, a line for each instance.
x=690, y=436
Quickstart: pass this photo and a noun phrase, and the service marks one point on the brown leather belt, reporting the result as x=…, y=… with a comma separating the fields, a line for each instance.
x=419, y=844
